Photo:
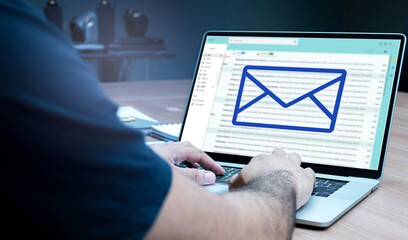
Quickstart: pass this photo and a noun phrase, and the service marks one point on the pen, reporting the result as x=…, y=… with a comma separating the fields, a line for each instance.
x=128, y=119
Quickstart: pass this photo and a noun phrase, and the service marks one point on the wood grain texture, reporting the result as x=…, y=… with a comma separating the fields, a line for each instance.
x=382, y=215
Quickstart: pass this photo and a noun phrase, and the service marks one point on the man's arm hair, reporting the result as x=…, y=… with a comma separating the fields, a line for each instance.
x=263, y=209
x=279, y=197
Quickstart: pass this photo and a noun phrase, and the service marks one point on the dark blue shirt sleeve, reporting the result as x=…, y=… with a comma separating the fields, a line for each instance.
x=70, y=168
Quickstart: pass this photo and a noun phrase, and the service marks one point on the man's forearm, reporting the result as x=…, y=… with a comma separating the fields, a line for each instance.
x=271, y=206
x=256, y=211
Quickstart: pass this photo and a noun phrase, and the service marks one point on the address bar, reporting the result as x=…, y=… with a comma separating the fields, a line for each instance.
x=272, y=41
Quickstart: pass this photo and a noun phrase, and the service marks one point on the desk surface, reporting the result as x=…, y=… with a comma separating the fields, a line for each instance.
x=382, y=215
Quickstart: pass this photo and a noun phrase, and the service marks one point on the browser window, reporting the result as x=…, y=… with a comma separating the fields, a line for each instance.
x=326, y=99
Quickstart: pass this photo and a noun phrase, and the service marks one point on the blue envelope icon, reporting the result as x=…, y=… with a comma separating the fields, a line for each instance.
x=289, y=98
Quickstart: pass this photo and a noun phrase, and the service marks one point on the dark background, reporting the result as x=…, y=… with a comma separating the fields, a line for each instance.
x=182, y=23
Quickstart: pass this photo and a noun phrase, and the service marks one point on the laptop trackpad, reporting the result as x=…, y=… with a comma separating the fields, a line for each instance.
x=320, y=209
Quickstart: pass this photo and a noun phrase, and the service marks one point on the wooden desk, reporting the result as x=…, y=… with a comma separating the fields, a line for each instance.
x=382, y=215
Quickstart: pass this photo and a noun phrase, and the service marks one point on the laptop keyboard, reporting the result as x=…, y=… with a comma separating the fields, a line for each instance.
x=229, y=172
x=323, y=187
x=326, y=187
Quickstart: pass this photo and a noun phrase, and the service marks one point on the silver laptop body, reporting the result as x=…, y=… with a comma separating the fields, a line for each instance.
x=327, y=96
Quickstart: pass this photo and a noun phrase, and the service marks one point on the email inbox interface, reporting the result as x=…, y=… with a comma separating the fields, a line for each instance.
x=247, y=102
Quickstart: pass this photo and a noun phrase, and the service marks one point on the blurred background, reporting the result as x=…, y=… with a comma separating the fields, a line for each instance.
x=180, y=24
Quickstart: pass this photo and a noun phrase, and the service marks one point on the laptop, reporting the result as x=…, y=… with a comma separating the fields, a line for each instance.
x=327, y=96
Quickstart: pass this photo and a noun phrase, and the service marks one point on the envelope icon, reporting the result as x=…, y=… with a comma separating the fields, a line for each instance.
x=299, y=111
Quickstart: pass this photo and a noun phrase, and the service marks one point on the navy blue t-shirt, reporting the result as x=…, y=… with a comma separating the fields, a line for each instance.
x=69, y=167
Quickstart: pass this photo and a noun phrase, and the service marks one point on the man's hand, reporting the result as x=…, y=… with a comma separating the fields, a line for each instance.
x=262, y=199
x=176, y=153
x=278, y=164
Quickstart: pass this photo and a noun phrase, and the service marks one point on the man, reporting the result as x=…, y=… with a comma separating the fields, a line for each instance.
x=70, y=169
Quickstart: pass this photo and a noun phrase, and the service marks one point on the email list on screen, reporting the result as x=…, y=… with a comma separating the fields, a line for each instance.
x=323, y=98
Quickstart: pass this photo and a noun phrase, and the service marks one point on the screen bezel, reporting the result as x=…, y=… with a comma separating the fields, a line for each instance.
x=318, y=168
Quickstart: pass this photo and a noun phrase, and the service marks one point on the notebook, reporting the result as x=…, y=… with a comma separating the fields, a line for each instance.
x=166, y=132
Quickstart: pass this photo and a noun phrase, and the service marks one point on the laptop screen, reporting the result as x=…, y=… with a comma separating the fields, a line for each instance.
x=326, y=98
